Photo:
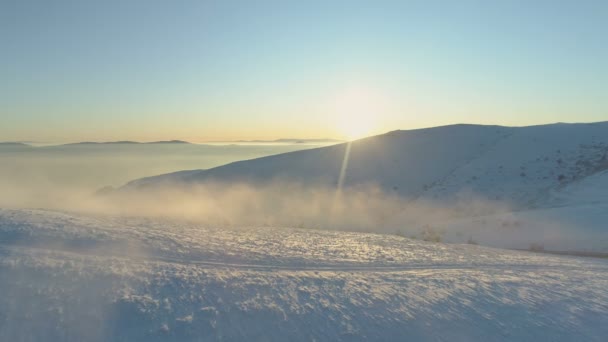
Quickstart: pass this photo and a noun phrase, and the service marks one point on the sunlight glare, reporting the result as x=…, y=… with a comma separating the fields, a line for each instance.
x=357, y=110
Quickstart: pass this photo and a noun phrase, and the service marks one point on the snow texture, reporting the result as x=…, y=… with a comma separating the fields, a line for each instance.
x=66, y=277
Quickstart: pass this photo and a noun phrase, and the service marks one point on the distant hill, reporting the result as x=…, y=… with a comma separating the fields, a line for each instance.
x=293, y=141
x=13, y=144
x=126, y=142
x=168, y=142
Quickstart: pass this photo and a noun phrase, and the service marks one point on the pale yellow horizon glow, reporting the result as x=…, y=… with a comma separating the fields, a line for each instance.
x=359, y=110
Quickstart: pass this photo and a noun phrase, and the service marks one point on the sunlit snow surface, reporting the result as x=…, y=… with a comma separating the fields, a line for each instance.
x=66, y=277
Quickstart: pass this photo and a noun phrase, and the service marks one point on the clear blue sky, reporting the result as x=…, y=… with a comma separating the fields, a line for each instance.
x=213, y=70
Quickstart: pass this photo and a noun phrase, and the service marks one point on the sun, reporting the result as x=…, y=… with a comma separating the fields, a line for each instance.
x=355, y=125
x=356, y=112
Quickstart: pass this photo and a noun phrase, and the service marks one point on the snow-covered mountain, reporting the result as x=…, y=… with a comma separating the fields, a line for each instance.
x=503, y=186
x=518, y=165
x=66, y=277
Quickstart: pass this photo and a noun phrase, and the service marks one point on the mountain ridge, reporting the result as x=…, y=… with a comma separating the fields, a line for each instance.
x=375, y=158
x=125, y=142
x=497, y=162
x=14, y=144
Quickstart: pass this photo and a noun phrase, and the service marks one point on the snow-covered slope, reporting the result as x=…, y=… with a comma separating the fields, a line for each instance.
x=73, y=278
x=518, y=165
x=574, y=218
x=590, y=190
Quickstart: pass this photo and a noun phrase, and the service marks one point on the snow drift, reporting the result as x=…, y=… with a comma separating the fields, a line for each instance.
x=72, y=278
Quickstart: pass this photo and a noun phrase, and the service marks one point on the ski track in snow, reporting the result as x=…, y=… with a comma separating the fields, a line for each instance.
x=348, y=268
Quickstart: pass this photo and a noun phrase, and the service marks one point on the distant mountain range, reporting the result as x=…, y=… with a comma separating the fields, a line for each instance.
x=84, y=143
x=177, y=142
x=13, y=144
x=293, y=141
x=126, y=142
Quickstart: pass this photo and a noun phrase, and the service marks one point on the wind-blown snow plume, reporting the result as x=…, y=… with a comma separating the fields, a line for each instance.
x=287, y=204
